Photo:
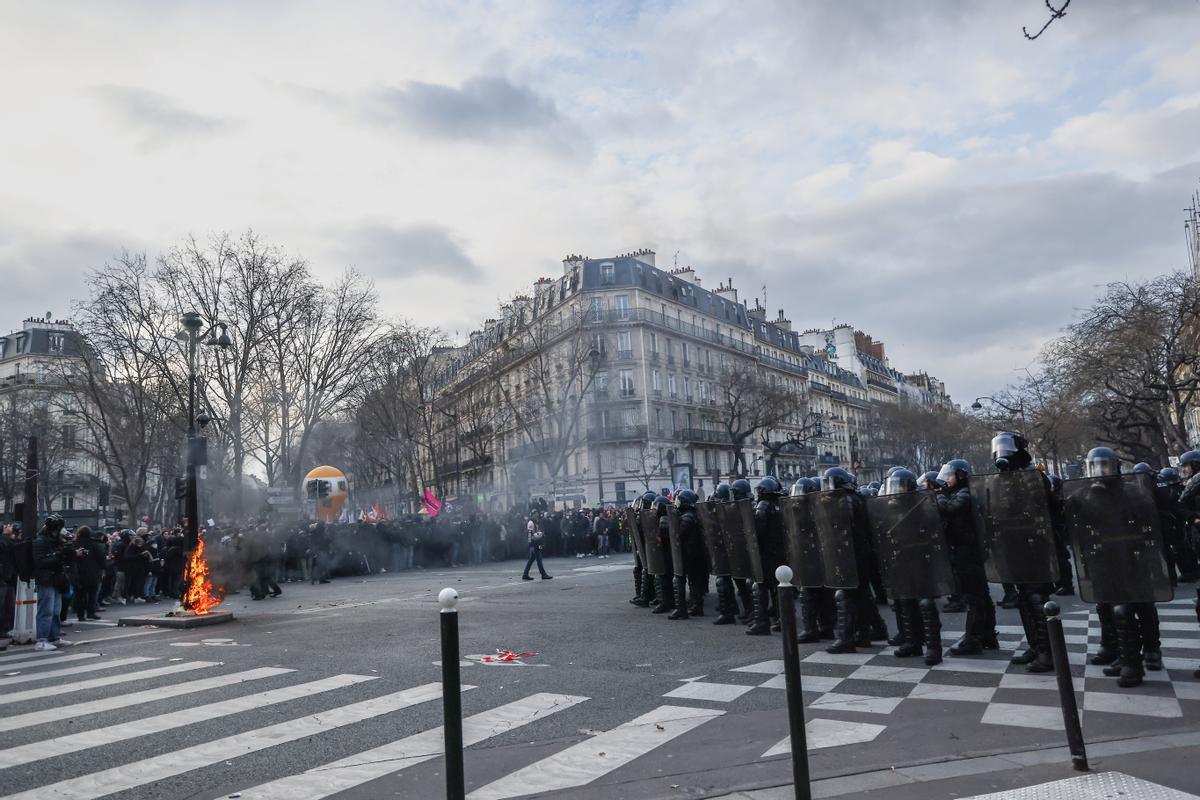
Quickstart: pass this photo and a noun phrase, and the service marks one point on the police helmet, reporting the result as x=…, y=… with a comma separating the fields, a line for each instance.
x=740, y=489
x=686, y=499
x=1007, y=444
x=1189, y=462
x=1102, y=462
x=1142, y=468
x=899, y=482
x=1168, y=475
x=769, y=486
x=722, y=494
x=928, y=481
x=960, y=468
x=836, y=478
x=805, y=486
x=892, y=470
x=660, y=504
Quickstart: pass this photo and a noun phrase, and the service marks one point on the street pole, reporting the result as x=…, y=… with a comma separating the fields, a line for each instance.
x=794, y=690
x=451, y=696
x=1066, y=688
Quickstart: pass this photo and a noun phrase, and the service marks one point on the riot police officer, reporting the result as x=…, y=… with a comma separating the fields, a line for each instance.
x=954, y=503
x=665, y=586
x=727, y=604
x=816, y=604
x=857, y=615
x=1066, y=582
x=689, y=600
x=1133, y=626
x=1011, y=454
x=918, y=625
x=768, y=531
x=1189, y=505
x=1181, y=555
x=648, y=598
x=740, y=489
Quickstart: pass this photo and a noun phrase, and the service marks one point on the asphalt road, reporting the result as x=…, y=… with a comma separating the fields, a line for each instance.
x=341, y=680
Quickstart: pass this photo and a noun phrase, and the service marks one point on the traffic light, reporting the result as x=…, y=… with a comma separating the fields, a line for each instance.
x=180, y=489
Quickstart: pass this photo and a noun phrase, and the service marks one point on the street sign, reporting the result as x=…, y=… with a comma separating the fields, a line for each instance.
x=280, y=500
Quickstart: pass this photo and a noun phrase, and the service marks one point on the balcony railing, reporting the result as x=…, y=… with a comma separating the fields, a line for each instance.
x=702, y=436
x=624, y=355
x=616, y=433
x=627, y=392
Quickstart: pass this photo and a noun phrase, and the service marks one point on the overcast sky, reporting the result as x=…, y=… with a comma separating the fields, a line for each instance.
x=916, y=169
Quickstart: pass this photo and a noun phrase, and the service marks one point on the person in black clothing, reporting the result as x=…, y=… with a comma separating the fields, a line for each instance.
x=1066, y=582
x=50, y=560
x=690, y=590
x=8, y=581
x=768, y=531
x=89, y=567
x=954, y=504
x=1189, y=505
x=857, y=615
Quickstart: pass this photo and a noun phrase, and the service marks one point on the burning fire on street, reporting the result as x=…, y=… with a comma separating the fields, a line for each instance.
x=199, y=596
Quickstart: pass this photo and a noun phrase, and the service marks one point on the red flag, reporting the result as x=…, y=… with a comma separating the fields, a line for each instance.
x=432, y=506
x=377, y=512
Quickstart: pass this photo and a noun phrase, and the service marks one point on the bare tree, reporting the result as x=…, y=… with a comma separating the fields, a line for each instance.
x=1055, y=13
x=923, y=438
x=808, y=427
x=747, y=402
x=647, y=463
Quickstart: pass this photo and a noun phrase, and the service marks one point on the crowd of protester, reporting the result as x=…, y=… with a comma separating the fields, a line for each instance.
x=83, y=571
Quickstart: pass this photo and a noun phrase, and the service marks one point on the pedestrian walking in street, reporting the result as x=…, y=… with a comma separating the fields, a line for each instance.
x=535, y=537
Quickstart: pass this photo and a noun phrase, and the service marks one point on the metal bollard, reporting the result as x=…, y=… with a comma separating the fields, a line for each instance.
x=791, y=672
x=451, y=697
x=1066, y=687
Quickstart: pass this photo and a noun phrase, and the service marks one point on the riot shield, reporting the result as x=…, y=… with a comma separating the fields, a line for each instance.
x=834, y=515
x=743, y=561
x=910, y=541
x=635, y=534
x=1012, y=521
x=656, y=563
x=673, y=532
x=802, y=542
x=714, y=542
x=1115, y=533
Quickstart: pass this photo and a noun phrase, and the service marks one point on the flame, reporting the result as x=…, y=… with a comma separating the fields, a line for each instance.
x=200, y=596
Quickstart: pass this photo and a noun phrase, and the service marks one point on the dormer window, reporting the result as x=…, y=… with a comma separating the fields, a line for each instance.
x=608, y=274
x=56, y=342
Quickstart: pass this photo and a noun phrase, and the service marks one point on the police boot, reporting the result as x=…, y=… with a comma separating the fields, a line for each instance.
x=988, y=639
x=680, y=592
x=666, y=596
x=932, y=624
x=1109, y=647
x=846, y=619
x=696, y=591
x=910, y=642
x=762, y=602
x=954, y=604
x=900, y=637
x=638, y=599
x=807, y=614
x=1151, y=643
x=745, y=594
x=1043, y=661
x=726, y=602
x=969, y=644
x=1030, y=635
x=1011, y=599
x=1131, y=672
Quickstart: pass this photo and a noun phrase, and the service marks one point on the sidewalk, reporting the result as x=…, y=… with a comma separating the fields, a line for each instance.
x=1168, y=762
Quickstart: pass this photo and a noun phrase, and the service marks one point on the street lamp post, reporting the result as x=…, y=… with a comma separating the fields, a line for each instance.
x=191, y=334
x=1019, y=410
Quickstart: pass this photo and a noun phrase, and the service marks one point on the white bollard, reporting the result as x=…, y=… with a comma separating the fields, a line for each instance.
x=25, y=617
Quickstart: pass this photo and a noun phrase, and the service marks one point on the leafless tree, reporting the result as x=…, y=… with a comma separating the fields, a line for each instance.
x=648, y=463
x=922, y=438
x=1055, y=13
x=805, y=428
x=747, y=403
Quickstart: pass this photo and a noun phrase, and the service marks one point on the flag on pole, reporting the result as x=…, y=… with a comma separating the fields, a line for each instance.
x=432, y=506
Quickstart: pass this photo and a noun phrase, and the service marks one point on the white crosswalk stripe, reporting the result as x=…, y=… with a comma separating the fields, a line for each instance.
x=30, y=662
x=17, y=721
x=147, y=771
x=599, y=755
x=107, y=680
x=59, y=673
x=49, y=748
x=394, y=757
x=26, y=654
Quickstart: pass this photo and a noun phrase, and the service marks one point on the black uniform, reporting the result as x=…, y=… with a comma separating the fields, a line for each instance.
x=768, y=530
x=980, y=629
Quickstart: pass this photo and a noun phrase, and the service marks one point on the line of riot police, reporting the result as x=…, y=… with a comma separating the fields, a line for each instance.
x=912, y=539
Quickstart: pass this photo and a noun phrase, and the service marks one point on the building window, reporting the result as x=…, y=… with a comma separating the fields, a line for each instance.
x=653, y=342
x=687, y=389
x=703, y=387
x=685, y=353
x=658, y=426
x=673, y=426
x=624, y=345
x=671, y=386
x=599, y=344
x=597, y=309
x=68, y=501
x=656, y=380
x=601, y=383
x=621, y=305
x=68, y=436
x=607, y=274
x=626, y=383
x=56, y=342
x=619, y=487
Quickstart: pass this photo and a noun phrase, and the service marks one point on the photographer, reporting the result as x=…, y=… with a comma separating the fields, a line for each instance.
x=89, y=567
x=50, y=559
x=535, y=536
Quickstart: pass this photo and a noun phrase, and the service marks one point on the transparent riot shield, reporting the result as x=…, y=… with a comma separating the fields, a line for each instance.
x=1115, y=532
x=656, y=562
x=714, y=542
x=1012, y=521
x=635, y=534
x=673, y=527
x=802, y=542
x=910, y=542
x=834, y=514
x=737, y=522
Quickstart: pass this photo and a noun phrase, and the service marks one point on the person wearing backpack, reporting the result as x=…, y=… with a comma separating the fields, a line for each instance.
x=50, y=558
